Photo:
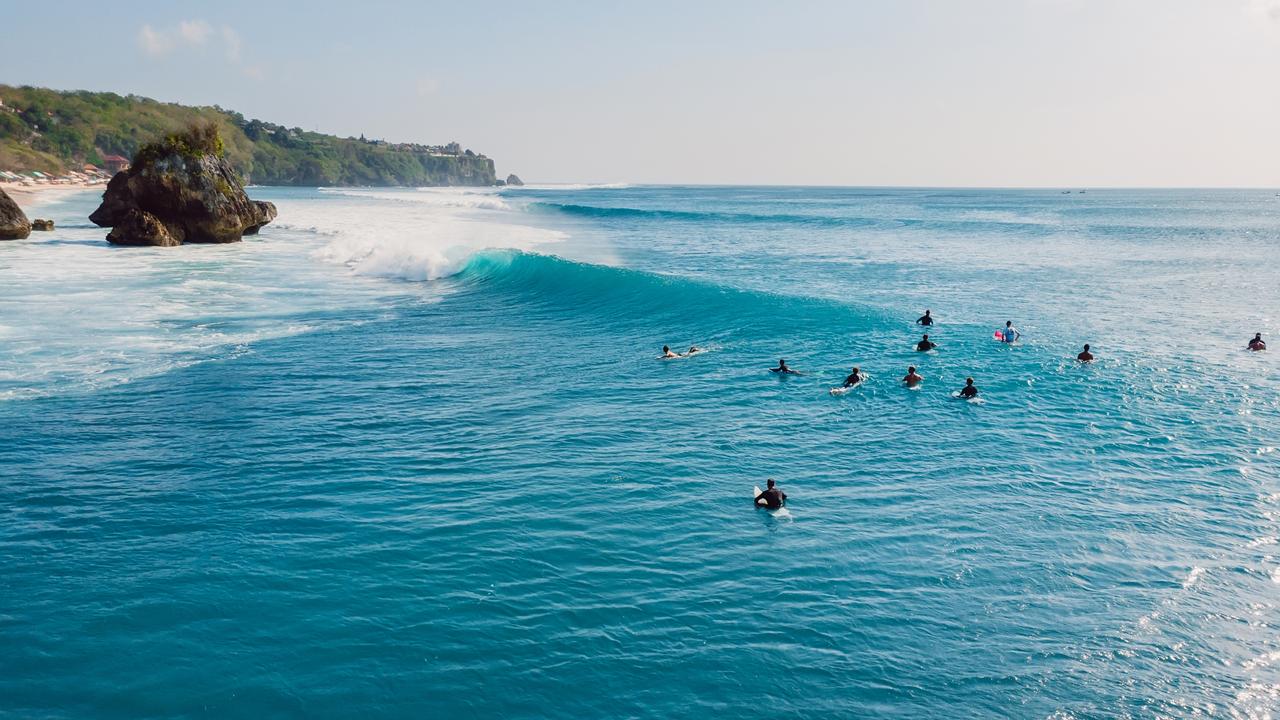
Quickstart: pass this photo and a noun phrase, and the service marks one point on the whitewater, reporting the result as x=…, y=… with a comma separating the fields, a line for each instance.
x=410, y=452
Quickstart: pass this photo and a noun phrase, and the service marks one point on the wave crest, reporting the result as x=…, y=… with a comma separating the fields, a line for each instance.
x=420, y=234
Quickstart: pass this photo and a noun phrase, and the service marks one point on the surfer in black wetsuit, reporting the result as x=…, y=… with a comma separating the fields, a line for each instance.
x=925, y=319
x=968, y=391
x=772, y=498
x=854, y=378
x=925, y=344
x=783, y=369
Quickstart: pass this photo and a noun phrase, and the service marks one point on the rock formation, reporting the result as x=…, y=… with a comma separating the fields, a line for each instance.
x=266, y=213
x=139, y=227
x=180, y=190
x=41, y=224
x=13, y=222
x=513, y=179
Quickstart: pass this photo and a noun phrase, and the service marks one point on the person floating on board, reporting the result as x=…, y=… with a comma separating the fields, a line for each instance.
x=667, y=354
x=968, y=391
x=1010, y=333
x=912, y=379
x=1085, y=355
x=772, y=497
x=925, y=344
x=925, y=319
x=854, y=378
x=783, y=369
x=1256, y=343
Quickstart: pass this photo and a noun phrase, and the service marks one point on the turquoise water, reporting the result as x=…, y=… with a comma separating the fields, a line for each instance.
x=411, y=454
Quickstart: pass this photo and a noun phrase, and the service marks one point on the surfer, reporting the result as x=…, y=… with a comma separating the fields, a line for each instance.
x=968, y=391
x=1010, y=333
x=1256, y=343
x=667, y=354
x=783, y=369
x=1085, y=356
x=854, y=378
x=925, y=319
x=772, y=497
x=925, y=344
x=912, y=379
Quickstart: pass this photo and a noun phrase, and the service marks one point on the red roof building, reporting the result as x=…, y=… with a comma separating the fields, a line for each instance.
x=115, y=163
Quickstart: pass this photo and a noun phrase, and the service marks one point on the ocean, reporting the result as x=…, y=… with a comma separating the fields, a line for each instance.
x=411, y=453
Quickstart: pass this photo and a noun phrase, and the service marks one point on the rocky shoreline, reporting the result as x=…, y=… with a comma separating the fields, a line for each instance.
x=178, y=190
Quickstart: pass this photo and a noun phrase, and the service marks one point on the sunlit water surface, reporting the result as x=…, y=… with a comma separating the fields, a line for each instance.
x=411, y=454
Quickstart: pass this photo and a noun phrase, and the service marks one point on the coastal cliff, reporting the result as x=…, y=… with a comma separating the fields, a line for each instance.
x=54, y=132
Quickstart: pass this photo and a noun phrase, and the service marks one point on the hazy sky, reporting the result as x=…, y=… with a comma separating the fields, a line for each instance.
x=880, y=92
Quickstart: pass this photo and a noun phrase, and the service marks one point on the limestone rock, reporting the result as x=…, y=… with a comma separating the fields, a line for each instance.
x=13, y=222
x=266, y=213
x=139, y=227
x=182, y=189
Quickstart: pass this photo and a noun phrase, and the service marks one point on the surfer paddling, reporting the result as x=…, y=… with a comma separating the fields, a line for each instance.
x=782, y=368
x=669, y=354
x=855, y=377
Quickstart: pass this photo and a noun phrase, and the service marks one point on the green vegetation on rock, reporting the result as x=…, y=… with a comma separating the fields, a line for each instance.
x=197, y=139
x=52, y=132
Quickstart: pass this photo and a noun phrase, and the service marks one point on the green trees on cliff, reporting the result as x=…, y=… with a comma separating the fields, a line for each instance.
x=54, y=131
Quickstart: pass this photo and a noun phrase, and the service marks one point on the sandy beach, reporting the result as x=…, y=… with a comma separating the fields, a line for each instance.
x=28, y=196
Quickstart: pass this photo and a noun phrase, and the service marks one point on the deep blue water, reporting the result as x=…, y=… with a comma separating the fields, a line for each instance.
x=411, y=454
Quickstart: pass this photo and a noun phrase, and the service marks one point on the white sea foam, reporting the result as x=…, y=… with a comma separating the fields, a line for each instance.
x=576, y=186
x=83, y=314
x=421, y=234
x=467, y=198
x=1192, y=577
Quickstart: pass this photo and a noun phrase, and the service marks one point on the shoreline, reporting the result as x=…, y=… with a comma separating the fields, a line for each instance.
x=34, y=195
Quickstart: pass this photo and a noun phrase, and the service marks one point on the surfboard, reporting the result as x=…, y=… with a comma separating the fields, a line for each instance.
x=755, y=493
x=841, y=390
